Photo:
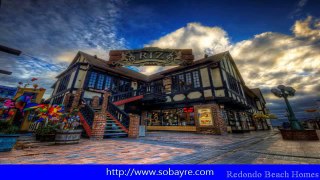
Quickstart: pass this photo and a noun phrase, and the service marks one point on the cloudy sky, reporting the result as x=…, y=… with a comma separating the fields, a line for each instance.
x=273, y=42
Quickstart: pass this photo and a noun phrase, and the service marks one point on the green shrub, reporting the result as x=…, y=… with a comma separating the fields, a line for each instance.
x=49, y=129
x=7, y=128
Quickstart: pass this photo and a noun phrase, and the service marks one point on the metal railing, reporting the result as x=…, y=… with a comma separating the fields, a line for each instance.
x=119, y=114
x=87, y=112
x=157, y=90
x=125, y=95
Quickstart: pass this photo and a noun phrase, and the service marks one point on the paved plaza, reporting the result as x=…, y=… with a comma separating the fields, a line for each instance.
x=265, y=147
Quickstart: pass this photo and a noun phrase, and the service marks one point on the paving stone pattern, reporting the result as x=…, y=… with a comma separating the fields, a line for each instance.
x=262, y=147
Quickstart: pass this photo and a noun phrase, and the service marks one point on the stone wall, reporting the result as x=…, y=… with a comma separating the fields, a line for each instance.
x=66, y=99
x=95, y=102
x=76, y=100
x=134, y=126
x=98, y=126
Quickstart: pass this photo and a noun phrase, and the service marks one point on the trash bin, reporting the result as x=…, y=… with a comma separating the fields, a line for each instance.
x=142, y=131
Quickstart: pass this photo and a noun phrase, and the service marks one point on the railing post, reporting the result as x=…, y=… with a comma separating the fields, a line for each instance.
x=95, y=102
x=66, y=99
x=76, y=100
x=98, y=126
x=134, y=126
x=105, y=101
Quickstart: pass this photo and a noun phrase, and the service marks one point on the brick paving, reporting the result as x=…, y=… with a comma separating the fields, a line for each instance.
x=265, y=147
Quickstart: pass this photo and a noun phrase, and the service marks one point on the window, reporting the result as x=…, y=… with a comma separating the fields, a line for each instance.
x=63, y=83
x=100, y=81
x=188, y=79
x=108, y=82
x=233, y=83
x=196, y=79
x=92, y=79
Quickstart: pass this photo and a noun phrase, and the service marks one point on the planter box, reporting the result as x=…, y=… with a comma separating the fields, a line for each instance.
x=288, y=134
x=68, y=136
x=7, y=142
x=45, y=138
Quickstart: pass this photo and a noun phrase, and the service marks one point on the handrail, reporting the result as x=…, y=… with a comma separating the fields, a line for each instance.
x=89, y=101
x=125, y=95
x=154, y=89
x=119, y=114
x=88, y=113
x=141, y=91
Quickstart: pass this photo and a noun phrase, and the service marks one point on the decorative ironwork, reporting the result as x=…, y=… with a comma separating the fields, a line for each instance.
x=119, y=114
x=125, y=95
x=88, y=113
x=151, y=56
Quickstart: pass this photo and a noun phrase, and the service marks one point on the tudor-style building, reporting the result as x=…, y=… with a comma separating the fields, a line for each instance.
x=180, y=99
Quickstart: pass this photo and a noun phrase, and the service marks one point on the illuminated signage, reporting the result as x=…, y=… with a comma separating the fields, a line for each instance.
x=151, y=57
x=205, y=117
x=188, y=109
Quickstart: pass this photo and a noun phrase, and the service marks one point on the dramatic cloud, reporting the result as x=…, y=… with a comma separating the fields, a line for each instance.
x=201, y=39
x=197, y=37
x=265, y=61
x=307, y=28
x=49, y=33
x=271, y=59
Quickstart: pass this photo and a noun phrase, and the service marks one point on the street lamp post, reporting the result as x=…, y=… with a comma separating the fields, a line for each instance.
x=10, y=51
x=285, y=92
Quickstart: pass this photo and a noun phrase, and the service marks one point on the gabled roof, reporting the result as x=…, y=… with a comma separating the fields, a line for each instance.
x=215, y=58
x=258, y=93
x=102, y=64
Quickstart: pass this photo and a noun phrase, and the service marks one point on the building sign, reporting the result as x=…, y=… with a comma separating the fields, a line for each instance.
x=151, y=56
x=205, y=117
x=188, y=109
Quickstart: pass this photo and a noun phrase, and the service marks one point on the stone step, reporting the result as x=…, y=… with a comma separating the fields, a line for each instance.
x=113, y=130
x=112, y=126
x=115, y=135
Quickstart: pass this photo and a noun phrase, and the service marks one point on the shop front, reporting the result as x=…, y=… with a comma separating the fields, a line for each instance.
x=176, y=119
x=205, y=119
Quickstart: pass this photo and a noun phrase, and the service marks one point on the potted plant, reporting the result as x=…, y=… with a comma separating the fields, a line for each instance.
x=46, y=133
x=8, y=136
x=68, y=132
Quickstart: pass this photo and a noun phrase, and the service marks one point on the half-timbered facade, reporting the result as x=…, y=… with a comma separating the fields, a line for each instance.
x=173, y=99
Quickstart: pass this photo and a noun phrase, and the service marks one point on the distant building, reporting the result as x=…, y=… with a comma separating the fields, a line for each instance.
x=7, y=92
x=178, y=99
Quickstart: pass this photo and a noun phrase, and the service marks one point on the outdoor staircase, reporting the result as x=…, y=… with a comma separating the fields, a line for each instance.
x=117, y=120
x=113, y=130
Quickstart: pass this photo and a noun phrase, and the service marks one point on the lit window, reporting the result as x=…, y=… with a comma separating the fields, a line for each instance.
x=196, y=79
x=188, y=79
x=100, y=81
x=92, y=79
x=108, y=83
